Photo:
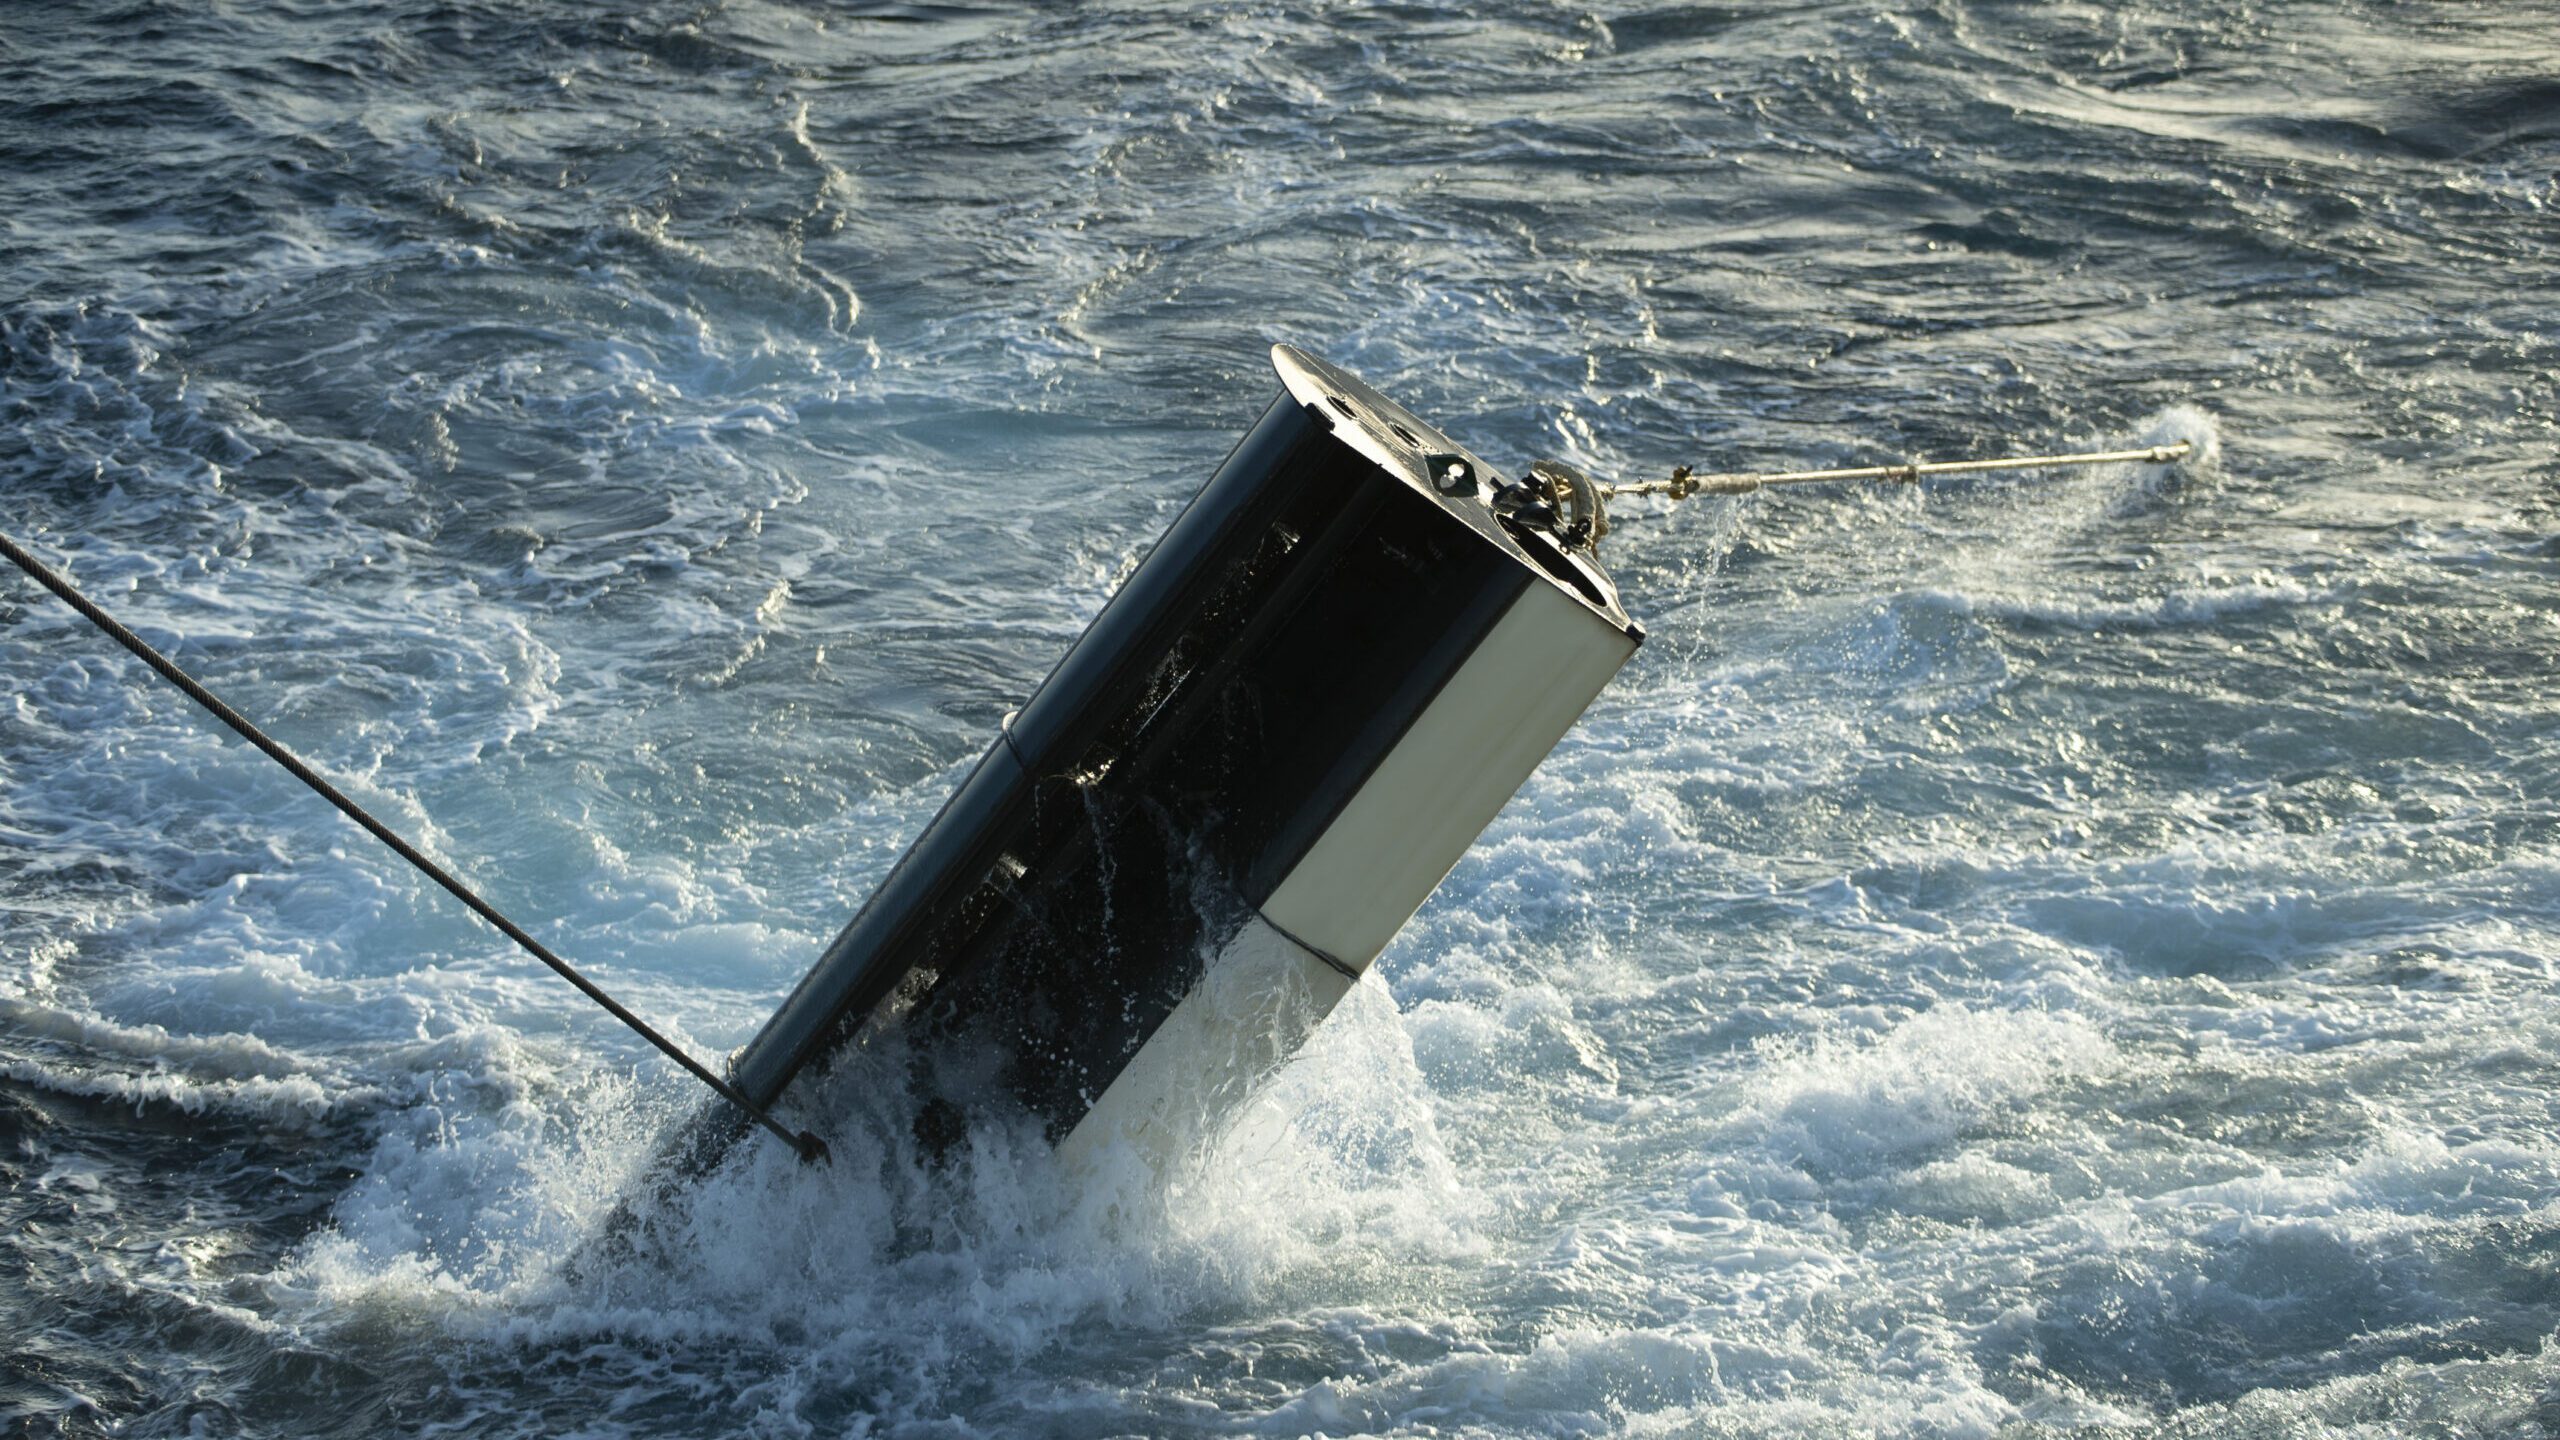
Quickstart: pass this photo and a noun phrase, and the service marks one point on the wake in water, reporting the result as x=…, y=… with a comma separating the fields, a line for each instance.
x=2020, y=958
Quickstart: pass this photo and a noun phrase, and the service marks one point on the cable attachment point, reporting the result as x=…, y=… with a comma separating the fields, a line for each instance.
x=1581, y=511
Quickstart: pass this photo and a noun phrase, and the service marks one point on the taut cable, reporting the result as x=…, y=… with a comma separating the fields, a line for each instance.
x=806, y=1143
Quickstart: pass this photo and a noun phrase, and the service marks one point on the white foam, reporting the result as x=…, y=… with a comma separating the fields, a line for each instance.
x=1926, y=1081
x=293, y=1099
x=1920, y=1001
x=2194, y=425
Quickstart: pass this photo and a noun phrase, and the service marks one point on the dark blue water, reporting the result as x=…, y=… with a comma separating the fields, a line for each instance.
x=2014, y=958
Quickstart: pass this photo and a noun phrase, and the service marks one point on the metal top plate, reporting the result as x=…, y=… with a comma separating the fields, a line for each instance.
x=1405, y=445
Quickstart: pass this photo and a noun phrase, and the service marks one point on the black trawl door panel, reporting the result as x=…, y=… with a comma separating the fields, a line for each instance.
x=1186, y=756
x=1210, y=779
x=926, y=913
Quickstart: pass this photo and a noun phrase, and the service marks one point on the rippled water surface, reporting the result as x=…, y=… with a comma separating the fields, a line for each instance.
x=2012, y=958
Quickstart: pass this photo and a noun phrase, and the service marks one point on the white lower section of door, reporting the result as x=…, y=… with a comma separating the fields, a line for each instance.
x=1463, y=758
x=1255, y=1005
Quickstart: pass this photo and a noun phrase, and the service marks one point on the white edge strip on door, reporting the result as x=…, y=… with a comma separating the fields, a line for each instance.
x=1257, y=1002
x=1462, y=759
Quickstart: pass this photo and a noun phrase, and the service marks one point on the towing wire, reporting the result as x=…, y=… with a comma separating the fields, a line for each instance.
x=1683, y=484
x=809, y=1147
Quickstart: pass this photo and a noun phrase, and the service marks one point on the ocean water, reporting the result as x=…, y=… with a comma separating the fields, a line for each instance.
x=2015, y=957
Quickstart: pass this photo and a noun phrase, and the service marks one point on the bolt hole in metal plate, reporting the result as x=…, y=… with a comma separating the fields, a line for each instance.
x=1451, y=475
x=1405, y=435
